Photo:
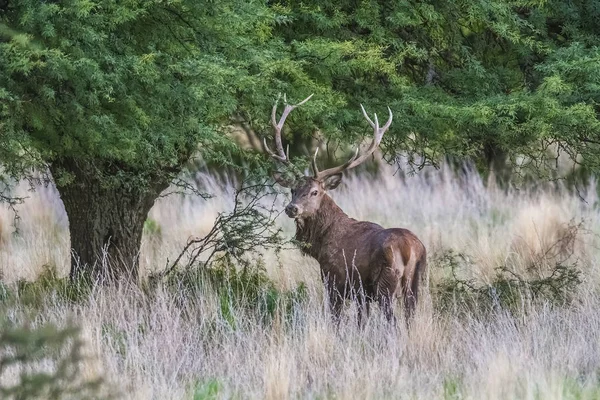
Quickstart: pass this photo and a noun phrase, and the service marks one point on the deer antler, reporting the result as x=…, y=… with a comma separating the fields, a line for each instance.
x=281, y=155
x=355, y=159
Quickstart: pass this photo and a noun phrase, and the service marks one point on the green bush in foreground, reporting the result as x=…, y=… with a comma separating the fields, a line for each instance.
x=44, y=363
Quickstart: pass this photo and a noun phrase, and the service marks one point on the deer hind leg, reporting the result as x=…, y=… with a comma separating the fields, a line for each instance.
x=410, y=295
x=410, y=290
x=386, y=305
x=334, y=296
x=386, y=288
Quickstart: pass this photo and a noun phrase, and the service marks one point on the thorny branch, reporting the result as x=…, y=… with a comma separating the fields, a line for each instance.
x=11, y=202
x=249, y=227
x=184, y=187
x=553, y=276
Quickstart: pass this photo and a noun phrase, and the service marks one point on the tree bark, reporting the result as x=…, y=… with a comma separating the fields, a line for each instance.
x=497, y=162
x=105, y=224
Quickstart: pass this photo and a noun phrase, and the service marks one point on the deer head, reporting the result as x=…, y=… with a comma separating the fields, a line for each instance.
x=308, y=191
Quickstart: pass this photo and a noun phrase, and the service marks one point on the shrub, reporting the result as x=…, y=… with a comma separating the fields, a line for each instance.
x=208, y=390
x=508, y=289
x=47, y=361
x=240, y=289
x=49, y=285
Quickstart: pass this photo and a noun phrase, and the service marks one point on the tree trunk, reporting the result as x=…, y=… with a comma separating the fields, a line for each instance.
x=497, y=162
x=105, y=224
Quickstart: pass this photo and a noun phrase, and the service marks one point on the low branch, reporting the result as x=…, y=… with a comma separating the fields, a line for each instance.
x=248, y=228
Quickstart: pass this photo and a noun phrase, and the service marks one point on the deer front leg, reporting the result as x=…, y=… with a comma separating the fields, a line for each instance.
x=335, y=299
x=335, y=306
x=364, y=308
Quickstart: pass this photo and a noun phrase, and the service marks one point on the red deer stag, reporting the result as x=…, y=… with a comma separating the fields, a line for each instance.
x=358, y=259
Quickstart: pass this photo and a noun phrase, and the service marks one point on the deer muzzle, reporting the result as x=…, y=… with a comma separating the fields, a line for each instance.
x=291, y=210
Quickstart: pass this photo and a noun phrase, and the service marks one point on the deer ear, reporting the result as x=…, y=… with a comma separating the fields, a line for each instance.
x=283, y=180
x=331, y=182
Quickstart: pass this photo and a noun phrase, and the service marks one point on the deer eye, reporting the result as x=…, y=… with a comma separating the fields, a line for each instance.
x=314, y=193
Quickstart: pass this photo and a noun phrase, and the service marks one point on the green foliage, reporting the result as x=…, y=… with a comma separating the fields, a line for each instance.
x=48, y=285
x=452, y=389
x=507, y=290
x=115, y=98
x=485, y=80
x=575, y=389
x=152, y=228
x=47, y=361
x=208, y=390
x=113, y=95
x=134, y=86
x=141, y=84
x=243, y=290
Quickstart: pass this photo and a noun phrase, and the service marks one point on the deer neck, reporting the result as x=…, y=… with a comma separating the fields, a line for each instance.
x=312, y=231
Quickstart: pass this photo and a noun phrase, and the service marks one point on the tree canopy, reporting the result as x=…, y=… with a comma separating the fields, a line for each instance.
x=466, y=78
x=116, y=96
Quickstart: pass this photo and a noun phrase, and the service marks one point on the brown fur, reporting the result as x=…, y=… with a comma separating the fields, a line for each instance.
x=359, y=260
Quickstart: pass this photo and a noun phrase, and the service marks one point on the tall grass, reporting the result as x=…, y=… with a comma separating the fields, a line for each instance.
x=189, y=339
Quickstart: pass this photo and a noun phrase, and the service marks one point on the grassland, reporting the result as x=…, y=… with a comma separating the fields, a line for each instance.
x=511, y=309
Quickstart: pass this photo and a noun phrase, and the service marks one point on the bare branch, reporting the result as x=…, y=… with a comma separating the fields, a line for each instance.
x=248, y=228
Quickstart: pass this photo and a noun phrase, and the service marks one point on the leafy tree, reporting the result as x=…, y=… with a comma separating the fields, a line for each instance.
x=496, y=81
x=115, y=97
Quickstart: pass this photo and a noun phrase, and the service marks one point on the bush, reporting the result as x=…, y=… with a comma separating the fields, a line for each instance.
x=47, y=361
x=208, y=390
x=48, y=285
x=246, y=289
x=508, y=290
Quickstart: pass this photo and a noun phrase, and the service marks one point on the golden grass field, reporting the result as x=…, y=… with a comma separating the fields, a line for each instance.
x=177, y=345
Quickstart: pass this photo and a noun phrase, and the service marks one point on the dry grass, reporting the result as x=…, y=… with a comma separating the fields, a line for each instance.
x=172, y=345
